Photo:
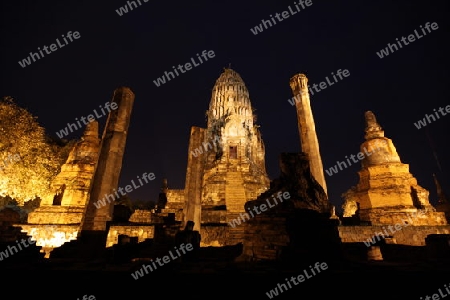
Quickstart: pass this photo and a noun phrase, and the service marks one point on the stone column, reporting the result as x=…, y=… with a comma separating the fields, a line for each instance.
x=307, y=128
x=194, y=177
x=109, y=164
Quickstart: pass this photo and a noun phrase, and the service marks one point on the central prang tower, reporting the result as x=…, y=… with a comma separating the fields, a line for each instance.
x=238, y=158
x=226, y=165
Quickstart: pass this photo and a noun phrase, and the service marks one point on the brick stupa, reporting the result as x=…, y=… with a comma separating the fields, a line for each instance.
x=387, y=193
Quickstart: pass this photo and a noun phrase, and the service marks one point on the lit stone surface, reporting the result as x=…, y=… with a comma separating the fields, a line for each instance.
x=307, y=128
x=141, y=216
x=407, y=235
x=51, y=236
x=374, y=253
x=58, y=218
x=71, y=186
x=235, y=170
x=176, y=204
x=141, y=232
x=387, y=192
x=106, y=178
x=229, y=166
x=300, y=224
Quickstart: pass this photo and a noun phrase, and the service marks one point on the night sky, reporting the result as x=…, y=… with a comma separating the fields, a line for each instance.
x=138, y=47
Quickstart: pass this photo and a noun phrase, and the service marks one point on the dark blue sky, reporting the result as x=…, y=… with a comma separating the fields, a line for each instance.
x=136, y=48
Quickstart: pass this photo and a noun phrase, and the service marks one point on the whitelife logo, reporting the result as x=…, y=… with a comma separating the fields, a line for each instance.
x=262, y=207
x=411, y=38
x=437, y=296
x=34, y=56
x=296, y=281
x=9, y=251
x=9, y=161
x=321, y=86
x=281, y=17
x=165, y=260
x=72, y=126
x=422, y=123
x=128, y=189
x=207, y=146
x=85, y=297
x=188, y=66
x=377, y=236
x=124, y=9
x=334, y=170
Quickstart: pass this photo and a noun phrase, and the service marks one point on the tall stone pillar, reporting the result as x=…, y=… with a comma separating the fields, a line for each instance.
x=194, y=177
x=109, y=164
x=307, y=127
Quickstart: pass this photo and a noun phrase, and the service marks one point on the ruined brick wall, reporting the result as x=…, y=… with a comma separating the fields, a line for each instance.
x=296, y=228
x=210, y=215
x=213, y=235
x=175, y=203
x=141, y=232
x=56, y=215
x=408, y=235
x=291, y=235
x=388, y=216
x=141, y=216
x=175, y=197
x=265, y=237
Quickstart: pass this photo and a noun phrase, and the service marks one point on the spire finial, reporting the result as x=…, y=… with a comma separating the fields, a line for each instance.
x=373, y=129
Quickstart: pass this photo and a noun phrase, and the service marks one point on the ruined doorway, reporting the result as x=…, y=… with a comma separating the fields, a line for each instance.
x=233, y=152
x=57, y=199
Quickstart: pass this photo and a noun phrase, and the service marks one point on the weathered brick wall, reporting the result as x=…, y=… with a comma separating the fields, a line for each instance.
x=174, y=197
x=141, y=232
x=407, y=235
x=56, y=215
x=265, y=237
x=423, y=217
x=213, y=235
x=141, y=216
x=214, y=216
x=175, y=204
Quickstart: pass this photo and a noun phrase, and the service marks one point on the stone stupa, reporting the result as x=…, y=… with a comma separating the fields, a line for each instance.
x=387, y=193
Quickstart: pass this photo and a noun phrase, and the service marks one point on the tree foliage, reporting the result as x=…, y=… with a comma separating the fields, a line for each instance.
x=29, y=159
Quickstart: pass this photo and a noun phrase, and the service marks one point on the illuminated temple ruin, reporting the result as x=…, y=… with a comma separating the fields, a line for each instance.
x=387, y=192
x=226, y=165
x=225, y=179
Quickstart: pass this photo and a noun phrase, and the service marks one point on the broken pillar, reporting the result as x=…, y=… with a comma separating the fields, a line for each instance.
x=194, y=174
x=109, y=164
x=307, y=127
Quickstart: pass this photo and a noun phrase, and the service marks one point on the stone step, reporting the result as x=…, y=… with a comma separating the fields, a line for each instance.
x=235, y=191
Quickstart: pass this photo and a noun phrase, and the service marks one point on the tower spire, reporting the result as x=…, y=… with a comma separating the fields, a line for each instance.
x=373, y=129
